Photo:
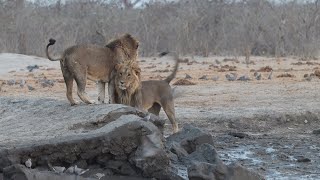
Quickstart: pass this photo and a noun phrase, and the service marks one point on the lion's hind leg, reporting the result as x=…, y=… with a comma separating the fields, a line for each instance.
x=168, y=107
x=69, y=84
x=81, y=80
x=68, y=79
x=155, y=109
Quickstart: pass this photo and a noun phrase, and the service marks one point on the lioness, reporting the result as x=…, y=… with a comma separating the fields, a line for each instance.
x=155, y=93
x=95, y=63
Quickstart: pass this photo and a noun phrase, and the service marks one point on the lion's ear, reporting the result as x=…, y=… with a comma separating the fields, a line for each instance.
x=113, y=44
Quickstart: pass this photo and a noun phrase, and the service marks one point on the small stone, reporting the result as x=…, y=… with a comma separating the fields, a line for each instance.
x=47, y=83
x=70, y=170
x=309, y=78
x=270, y=75
x=302, y=159
x=215, y=78
x=258, y=77
x=231, y=77
x=11, y=82
x=99, y=175
x=305, y=121
x=317, y=131
x=270, y=150
x=204, y=77
x=22, y=83
x=236, y=171
x=79, y=171
x=58, y=169
x=244, y=78
x=238, y=134
x=30, y=88
x=31, y=68
x=188, y=76
x=28, y=163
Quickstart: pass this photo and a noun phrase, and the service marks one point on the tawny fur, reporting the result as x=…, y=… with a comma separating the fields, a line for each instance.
x=82, y=62
x=155, y=94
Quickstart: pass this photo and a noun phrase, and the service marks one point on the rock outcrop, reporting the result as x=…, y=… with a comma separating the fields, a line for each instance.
x=110, y=143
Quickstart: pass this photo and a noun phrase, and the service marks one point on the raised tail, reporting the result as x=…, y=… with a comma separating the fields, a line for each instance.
x=173, y=74
x=51, y=42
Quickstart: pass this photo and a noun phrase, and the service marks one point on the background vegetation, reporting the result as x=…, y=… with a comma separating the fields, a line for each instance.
x=193, y=27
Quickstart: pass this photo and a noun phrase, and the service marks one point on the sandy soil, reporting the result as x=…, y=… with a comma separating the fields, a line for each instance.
x=276, y=116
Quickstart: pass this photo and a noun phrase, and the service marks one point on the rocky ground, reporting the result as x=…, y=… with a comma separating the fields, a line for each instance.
x=268, y=125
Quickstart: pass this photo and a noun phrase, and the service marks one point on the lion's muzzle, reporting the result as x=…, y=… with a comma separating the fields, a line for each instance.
x=122, y=85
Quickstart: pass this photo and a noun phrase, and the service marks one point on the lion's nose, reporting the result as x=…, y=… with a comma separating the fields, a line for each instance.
x=121, y=82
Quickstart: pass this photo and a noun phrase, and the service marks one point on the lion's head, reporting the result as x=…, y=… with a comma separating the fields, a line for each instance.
x=127, y=77
x=126, y=45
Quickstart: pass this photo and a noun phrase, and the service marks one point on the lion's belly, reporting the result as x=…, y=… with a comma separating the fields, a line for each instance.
x=98, y=76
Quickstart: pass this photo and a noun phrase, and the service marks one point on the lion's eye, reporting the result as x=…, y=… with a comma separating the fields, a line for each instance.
x=120, y=74
x=129, y=74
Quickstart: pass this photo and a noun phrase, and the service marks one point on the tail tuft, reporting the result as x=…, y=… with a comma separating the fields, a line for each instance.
x=51, y=42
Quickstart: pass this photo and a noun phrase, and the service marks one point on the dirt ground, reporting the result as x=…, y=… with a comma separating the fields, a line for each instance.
x=266, y=125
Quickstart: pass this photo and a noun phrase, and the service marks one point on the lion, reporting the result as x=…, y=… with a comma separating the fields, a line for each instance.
x=154, y=94
x=126, y=79
x=82, y=62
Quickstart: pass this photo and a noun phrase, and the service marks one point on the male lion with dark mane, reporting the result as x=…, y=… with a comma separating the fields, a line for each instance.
x=82, y=62
x=147, y=95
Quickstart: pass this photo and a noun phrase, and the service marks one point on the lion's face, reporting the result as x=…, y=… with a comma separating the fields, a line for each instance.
x=127, y=76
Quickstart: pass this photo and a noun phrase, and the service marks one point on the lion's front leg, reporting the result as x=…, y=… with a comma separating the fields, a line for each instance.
x=137, y=100
x=101, y=91
x=111, y=92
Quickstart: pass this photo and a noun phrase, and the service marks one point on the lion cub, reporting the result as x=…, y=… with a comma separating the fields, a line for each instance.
x=154, y=93
x=82, y=62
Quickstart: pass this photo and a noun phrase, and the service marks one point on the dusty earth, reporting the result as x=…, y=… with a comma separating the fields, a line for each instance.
x=266, y=125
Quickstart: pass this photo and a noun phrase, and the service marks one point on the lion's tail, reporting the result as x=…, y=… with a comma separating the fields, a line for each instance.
x=173, y=74
x=51, y=42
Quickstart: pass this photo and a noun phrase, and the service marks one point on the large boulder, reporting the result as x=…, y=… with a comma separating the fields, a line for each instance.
x=113, y=144
x=189, y=138
x=116, y=141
